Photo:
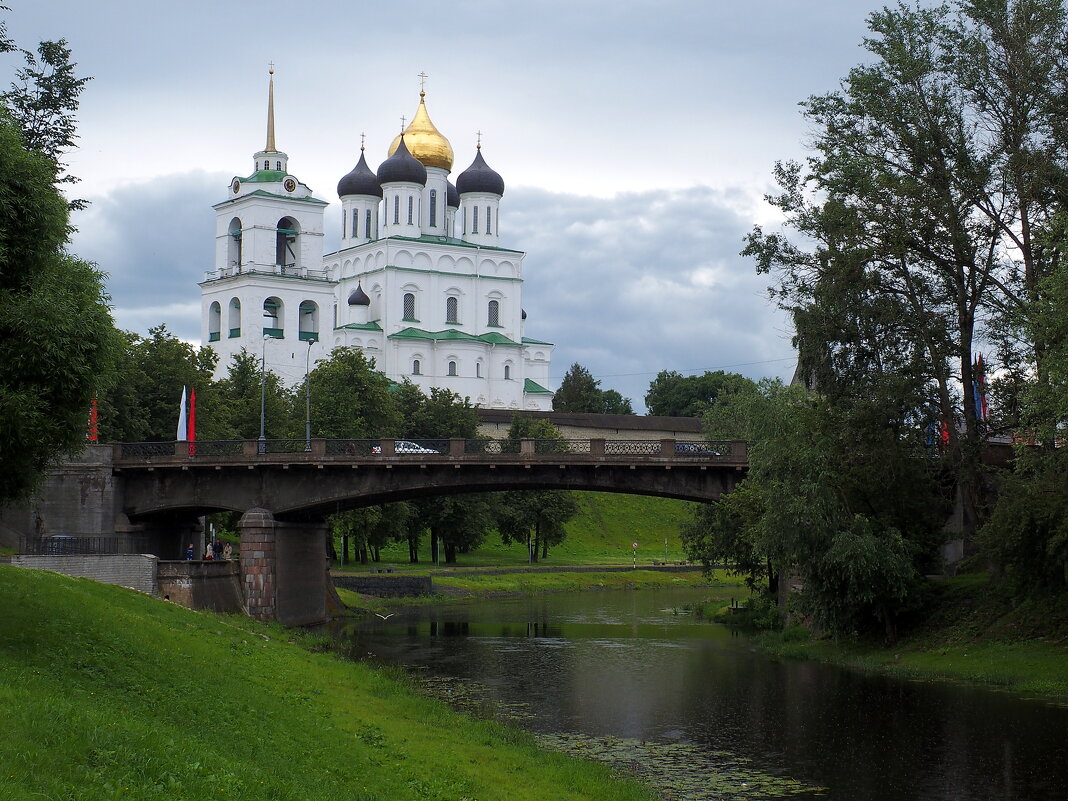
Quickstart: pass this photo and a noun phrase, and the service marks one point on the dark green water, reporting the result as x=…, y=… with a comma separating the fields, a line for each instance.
x=623, y=676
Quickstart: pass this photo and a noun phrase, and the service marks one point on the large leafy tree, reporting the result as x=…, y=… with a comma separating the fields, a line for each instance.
x=673, y=394
x=579, y=391
x=349, y=399
x=933, y=168
x=57, y=337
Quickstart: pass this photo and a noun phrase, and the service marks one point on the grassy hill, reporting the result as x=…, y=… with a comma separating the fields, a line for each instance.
x=601, y=533
x=108, y=694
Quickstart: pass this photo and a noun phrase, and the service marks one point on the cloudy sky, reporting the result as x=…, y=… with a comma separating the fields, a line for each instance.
x=636, y=139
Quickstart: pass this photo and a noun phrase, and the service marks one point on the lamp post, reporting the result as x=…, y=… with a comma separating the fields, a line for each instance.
x=307, y=399
x=262, y=447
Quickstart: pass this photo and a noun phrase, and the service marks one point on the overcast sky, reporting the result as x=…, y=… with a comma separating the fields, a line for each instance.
x=636, y=140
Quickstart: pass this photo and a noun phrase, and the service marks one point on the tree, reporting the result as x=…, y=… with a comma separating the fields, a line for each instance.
x=933, y=168
x=349, y=399
x=580, y=392
x=245, y=390
x=57, y=338
x=672, y=394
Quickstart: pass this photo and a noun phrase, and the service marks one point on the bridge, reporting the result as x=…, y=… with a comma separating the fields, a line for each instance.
x=285, y=489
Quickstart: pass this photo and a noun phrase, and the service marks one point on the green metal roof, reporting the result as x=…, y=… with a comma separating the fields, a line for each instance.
x=448, y=240
x=264, y=177
x=263, y=193
x=452, y=335
x=371, y=326
x=531, y=388
x=529, y=341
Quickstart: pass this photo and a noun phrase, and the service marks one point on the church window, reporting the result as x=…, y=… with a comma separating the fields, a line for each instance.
x=474, y=220
x=278, y=166
x=452, y=368
x=367, y=224
x=415, y=367
x=409, y=306
x=355, y=222
x=452, y=310
x=411, y=207
x=507, y=372
x=465, y=220
x=494, y=313
x=235, y=317
x=308, y=321
x=396, y=209
x=272, y=317
x=478, y=369
x=433, y=208
x=214, y=322
x=489, y=217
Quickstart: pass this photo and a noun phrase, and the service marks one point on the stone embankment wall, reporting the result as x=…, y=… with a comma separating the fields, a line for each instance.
x=214, y=586
x=136, y=571
x=386, y=586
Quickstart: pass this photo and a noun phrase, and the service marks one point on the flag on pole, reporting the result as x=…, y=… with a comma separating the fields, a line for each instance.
x=192, y=421
x=94, y=431
x=183, y=427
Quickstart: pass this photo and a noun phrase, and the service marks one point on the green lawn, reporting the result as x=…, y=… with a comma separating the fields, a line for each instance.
x=109, y=694
x=601, y=533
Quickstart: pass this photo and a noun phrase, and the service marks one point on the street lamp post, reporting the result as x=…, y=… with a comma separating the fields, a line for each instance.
x=307, y=399
x=263, y=397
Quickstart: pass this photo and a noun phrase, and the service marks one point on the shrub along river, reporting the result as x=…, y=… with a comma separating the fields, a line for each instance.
x=630, y=677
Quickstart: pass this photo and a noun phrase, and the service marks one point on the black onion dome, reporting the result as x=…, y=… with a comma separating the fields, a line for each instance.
x=452, y=197
x=361, y=181
x=358, y=297
x=402, y=166
x=479, y=177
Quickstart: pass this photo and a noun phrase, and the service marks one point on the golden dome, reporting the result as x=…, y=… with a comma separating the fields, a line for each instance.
x=424, y=141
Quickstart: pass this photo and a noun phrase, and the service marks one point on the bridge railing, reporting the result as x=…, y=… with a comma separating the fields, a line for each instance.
x=432, y=449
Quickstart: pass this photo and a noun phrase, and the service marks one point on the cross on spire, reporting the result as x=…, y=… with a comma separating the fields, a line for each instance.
x=422, y=82
x=403, y=120
x=363, y=137
x=479, y=145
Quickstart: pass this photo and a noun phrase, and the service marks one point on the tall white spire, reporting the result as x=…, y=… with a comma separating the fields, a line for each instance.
x=271, y=148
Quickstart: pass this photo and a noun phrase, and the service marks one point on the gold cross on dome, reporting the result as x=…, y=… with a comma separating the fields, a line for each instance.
x=479, y=134
x=422, y=81
x=403, y=120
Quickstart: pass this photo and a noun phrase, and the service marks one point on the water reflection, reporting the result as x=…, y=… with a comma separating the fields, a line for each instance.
x=631, y=665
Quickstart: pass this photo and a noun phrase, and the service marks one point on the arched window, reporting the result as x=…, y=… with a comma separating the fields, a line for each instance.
x=433, y=208
x=214, y=321
x=233, y=245
x=507, y=372
x=309, y=321
x=367, y=224
x=355, y=222
x=478, y=369
x=273, y=314
x=494, y=313
x=411, y=208
x=409, y=307
x=287, y=251
x=465, y=220
x=452, y=368
x=489, y=218
x=278, y=166
x=235, y=317
x=415, y=367
x=452, y=310
x=396, y=209
x=474, y=220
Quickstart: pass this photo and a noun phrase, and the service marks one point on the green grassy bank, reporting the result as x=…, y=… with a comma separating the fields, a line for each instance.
x=972, y=633
x=109, y=694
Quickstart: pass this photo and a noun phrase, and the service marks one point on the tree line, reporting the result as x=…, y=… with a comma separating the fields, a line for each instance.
x=920, y=260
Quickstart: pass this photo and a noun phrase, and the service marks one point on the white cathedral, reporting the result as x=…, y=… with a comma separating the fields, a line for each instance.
x=420, y=284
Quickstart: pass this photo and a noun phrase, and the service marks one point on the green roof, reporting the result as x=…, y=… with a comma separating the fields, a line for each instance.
x=452, y=335
x=531, y=388
x=263, y=193
x=371, y=326
x=448, y=240
x=264, y=177
x=529, y=341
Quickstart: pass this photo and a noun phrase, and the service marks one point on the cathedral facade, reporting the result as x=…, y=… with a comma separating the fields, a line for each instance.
x=422, y=283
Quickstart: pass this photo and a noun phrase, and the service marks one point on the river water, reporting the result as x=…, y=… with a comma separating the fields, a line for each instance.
x=632, y=678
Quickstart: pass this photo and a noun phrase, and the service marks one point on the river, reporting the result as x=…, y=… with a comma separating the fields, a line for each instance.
x=632, y=678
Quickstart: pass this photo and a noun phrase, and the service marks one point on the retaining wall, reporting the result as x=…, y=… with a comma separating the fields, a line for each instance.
x=137, y=571
x=386, y=586
x=214, y=585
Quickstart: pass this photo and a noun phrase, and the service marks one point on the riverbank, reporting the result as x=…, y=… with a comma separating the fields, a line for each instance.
x=451, y=585
x=973, y=633
x=106, y=693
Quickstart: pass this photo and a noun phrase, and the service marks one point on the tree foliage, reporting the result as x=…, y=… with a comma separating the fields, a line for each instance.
x=579, y=391
x=672, y=394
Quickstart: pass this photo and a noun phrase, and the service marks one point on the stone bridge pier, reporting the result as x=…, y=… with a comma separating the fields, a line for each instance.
x=284, y=569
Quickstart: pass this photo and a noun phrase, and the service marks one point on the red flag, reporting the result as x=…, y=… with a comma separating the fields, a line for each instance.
x=192, y=421
x=94, y=432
